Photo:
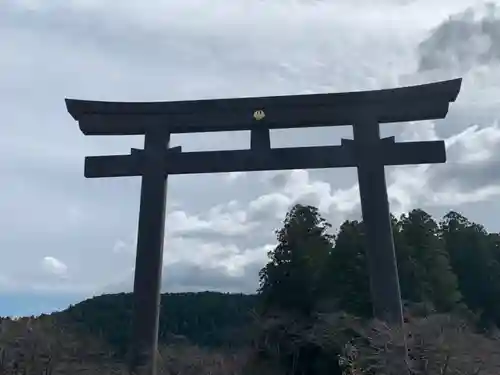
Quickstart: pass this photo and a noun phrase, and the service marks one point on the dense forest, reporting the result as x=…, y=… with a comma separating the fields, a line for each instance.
x=207, y=319
x=444, y=266
x=314, y=296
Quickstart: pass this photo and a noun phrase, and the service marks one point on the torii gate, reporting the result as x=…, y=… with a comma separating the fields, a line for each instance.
x=364, y=110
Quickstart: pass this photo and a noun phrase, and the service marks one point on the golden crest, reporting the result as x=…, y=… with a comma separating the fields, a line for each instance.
x=259, y=114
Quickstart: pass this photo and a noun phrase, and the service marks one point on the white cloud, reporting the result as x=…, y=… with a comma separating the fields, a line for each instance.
x=452, y=196
x=234, y=176
x=236, y=265
x=465, y=40
x=191, y=265
x=221, y=220
x=54, y=266
x=299, y=187
x=475, y=144
x=472, y=152
x=275, y=204
x=409, y=185
x=120, y=247
x=419, y=131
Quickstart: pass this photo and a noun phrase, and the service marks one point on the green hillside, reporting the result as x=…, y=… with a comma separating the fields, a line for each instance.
x=206, y=319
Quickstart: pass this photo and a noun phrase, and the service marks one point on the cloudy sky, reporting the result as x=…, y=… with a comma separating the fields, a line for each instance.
x=65, y=238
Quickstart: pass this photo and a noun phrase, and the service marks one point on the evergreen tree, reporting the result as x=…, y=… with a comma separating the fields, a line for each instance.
x=494, y=244
x=433, y=278
x=291, y=279
x=475, y=261
x=347, y=277
x=407, y=264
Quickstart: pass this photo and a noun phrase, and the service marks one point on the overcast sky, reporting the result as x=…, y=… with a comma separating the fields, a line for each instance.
x=65, y=238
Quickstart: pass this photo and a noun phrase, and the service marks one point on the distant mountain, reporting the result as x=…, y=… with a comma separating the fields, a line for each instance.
x=206, y=319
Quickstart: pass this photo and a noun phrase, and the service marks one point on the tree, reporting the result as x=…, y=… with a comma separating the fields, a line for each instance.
x=432, y=275
x=292, y=278
x=474, y=259
x=494, y=241
x=347, y=276
x=407, y=264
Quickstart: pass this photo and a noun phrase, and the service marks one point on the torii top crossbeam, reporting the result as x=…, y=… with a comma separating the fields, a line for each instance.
x=413, y=103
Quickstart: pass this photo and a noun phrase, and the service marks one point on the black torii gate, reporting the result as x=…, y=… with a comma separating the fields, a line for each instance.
x=364, y=110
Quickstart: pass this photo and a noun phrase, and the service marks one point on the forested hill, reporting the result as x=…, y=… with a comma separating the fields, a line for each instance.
x=445, y=266
x=205, y=318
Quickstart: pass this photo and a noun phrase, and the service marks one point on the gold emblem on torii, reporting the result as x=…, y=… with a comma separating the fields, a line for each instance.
x=259, y=114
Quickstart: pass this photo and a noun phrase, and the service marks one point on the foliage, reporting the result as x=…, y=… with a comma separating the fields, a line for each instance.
x=346, y=276
x=207, y=319
x=453, y=265
x=434, y=280
x=298, y=346
x=475, y=257
x=291, y=279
